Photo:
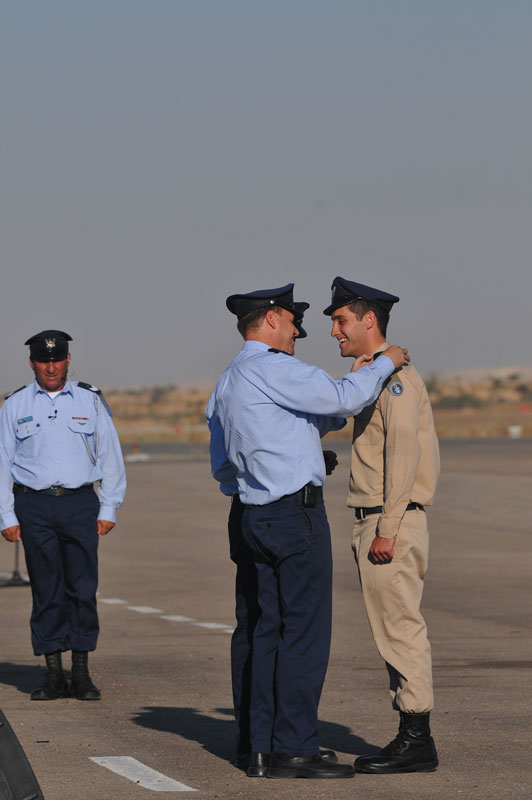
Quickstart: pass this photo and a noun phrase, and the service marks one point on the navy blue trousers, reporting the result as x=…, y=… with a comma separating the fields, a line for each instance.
x=60, y=539
x=247, y=612
x=291, y=642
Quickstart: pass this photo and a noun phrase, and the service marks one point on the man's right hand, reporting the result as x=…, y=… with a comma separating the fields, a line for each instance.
x=399, y=355
x=12, y=534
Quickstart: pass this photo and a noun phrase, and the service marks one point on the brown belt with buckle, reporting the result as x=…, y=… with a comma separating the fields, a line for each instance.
x=55, y=491
x=362, y=513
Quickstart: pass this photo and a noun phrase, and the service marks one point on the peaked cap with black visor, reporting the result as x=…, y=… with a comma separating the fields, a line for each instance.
x=49, y=346
x=243, y=304
x=345, y=292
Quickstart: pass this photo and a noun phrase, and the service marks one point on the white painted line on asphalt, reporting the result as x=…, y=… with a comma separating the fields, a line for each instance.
x=214, y=626
x=140, y=774
x=112, y=601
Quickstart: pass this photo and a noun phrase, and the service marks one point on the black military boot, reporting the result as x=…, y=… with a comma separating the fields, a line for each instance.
x=82, y=685
x=54, y=684
x=412, y=750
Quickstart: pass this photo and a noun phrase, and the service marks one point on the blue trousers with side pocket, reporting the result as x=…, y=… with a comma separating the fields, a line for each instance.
x=292, y=550
x=60, y=539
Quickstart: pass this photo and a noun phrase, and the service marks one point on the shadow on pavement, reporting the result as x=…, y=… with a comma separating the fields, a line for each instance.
x=215, y=735
x=218, y=736
x=22, y=677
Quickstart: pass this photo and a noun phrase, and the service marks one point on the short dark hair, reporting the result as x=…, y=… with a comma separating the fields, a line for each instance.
x=361, y=307
x=253, y=320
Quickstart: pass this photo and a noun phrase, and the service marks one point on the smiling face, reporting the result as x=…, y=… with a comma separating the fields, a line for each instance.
x=51, y=375
x=351, y=332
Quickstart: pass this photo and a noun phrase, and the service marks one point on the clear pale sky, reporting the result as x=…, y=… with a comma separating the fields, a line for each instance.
x=158, y=156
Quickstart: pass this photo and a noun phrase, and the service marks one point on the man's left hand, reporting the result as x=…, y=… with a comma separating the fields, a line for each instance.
x=104, y=526
x=381, y=550
x=331, y=461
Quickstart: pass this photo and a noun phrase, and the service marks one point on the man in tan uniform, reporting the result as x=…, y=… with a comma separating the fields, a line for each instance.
x=394, y=470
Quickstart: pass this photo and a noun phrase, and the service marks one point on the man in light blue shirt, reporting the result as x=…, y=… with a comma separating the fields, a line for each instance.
x=266, y=416
x=57, y=439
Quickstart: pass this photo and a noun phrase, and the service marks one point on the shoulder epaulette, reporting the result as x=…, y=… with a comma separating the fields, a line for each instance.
x=94, y=389
x=274, y=350
x=89, y=387
x=12, y=393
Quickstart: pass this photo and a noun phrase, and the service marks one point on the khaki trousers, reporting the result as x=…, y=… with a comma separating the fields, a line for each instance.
x=392, y=595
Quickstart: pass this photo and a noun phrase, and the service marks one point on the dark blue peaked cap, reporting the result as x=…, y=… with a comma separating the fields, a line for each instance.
x=345, y=292
x=49, y=345
x=242, y=304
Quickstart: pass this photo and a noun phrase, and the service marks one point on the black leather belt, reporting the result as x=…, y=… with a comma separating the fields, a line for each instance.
x=56, y=491
x=362, y=513
x=309, y=494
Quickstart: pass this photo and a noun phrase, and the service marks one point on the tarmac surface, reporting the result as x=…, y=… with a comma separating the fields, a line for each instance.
x=166, y=613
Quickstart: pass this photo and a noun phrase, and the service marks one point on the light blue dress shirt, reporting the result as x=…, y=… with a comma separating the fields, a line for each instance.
x=65, y=441
x=266, y=416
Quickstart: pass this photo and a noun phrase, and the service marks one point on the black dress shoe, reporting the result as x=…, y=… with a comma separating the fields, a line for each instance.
x=242, y=760
x=282, y=766
x=258, y=765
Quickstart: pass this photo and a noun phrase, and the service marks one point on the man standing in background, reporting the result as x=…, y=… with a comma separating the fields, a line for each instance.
x=394, y=470
x=57, y=439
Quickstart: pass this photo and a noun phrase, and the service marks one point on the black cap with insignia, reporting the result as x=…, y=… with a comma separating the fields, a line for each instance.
x=49, y=346
x=242, y=304
x=345, y=292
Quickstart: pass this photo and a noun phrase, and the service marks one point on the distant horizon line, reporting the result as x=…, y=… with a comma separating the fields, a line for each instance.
x=524, y=371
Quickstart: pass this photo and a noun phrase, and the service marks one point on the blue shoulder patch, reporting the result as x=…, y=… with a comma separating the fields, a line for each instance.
x=396, y=388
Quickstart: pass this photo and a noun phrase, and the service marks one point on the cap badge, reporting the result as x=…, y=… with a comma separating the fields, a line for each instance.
x=396, y=388
x=50, y=344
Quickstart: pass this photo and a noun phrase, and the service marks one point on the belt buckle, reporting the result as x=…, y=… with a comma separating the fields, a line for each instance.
x=360, y=513
x=58, y=491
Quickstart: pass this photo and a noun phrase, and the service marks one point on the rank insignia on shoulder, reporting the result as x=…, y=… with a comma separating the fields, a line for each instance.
x=12, y=393
x=275, y=350
x=90, y=387
x=94, y=389
x=396, y=388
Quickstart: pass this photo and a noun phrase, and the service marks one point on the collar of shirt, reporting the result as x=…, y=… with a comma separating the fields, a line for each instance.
x=381, y=348
x=67, y=389
x=254, y=344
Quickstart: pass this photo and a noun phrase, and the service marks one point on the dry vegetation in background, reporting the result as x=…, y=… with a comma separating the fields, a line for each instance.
x=467, y=404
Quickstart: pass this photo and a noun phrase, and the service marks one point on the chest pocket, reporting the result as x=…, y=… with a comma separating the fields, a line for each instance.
x=86, y=427
x=26, y=429
x=81, y=425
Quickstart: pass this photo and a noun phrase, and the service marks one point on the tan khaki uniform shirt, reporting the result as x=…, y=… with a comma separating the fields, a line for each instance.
x=395, y=456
